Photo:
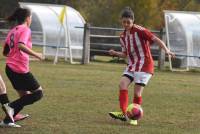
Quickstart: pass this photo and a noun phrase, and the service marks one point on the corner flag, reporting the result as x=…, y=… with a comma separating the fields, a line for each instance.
x=62, y=15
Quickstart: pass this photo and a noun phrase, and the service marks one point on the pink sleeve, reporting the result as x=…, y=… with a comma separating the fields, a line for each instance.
x=24, y=36
x=122, y=42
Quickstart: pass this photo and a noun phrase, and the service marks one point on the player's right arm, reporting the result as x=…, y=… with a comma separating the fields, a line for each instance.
x=116, y=53
x=121, y=54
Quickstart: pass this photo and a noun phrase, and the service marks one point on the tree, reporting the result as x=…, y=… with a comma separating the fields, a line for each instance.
x=148, y=13
x=6, y=7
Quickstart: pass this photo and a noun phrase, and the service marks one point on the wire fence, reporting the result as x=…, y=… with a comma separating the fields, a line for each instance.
x=97, y=40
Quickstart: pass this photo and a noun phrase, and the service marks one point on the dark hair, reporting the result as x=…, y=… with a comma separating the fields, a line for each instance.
x=127, y=13
x=19, y=15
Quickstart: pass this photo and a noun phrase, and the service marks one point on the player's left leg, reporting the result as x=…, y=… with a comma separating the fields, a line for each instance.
x=138, y=90
x=141, y=79
x=25, y=100
x=20, y=116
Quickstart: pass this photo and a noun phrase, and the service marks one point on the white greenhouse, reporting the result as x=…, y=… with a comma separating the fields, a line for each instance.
x=183, y=36
x=57, y=39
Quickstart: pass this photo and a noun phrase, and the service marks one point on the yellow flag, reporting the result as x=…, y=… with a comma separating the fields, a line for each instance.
x=62, y=15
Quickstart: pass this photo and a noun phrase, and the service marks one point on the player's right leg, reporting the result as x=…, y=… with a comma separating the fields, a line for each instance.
x=5, y=101
x=123, y=117
x=123, y=93
x=117, y=115
x=123, y=97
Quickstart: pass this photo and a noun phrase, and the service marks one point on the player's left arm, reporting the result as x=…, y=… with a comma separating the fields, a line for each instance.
x=162, y=45
x=29, y=51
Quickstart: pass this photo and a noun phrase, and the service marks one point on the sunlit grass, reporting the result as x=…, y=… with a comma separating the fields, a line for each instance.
x=78, y=98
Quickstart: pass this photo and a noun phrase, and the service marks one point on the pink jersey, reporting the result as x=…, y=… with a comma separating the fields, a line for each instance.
x=18, y=60
x=136, y=46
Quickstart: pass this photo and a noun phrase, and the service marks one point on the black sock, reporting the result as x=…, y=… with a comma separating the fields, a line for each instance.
x=4, y=99
x=26, y=100
x=7, y=120
x=17, y=110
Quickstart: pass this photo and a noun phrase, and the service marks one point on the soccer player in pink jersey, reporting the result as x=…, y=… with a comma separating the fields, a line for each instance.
x=17, y=49
x=135, y=43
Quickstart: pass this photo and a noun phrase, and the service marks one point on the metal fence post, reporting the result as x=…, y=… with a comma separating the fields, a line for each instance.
x=161, y=58
x=86, y=44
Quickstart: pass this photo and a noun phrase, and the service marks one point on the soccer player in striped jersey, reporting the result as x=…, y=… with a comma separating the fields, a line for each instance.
x=17, y=49
x=135, y=44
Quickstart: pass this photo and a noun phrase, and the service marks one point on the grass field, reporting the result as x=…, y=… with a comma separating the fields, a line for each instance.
x=78, y=98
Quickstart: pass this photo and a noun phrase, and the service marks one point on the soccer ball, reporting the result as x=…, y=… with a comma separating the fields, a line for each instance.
x=134, y=111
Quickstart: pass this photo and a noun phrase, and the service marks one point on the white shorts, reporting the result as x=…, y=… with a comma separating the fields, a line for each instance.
x=138, y=77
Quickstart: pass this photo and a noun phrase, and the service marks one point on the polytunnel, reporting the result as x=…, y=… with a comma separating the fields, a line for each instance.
x=55, y=37
x=183, y=37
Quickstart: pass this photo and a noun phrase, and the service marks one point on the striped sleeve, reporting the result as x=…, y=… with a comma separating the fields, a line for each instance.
x=148, y=36
x=123, y=46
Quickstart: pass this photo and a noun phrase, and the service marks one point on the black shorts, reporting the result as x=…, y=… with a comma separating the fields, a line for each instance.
x=22, y=81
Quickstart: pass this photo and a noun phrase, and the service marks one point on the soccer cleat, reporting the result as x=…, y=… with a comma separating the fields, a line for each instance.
x=10, y=124
x=9, y=111
x=20, y=117
x=118, y=115
x=133, y=122
x=122, y=117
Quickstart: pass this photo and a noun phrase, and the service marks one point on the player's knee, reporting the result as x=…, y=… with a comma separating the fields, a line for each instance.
x=40, y=88
x=38, y=94
x=123, y=85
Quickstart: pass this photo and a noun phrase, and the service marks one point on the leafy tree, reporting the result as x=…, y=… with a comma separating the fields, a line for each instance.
x=148, y=13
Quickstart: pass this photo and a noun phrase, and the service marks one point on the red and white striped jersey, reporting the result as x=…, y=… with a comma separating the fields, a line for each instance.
x=136, y=45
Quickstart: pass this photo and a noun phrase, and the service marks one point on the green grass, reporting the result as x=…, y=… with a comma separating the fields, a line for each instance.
x=78, y=98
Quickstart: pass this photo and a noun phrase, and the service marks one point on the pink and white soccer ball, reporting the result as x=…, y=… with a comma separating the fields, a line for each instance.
x=134, y=111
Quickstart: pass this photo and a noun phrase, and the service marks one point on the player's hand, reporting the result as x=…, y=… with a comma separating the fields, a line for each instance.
x=39, y=56
x=112, y=52
x=171, y=54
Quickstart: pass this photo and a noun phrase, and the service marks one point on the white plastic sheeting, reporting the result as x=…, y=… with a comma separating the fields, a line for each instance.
x=49, y=33
x=183, y=37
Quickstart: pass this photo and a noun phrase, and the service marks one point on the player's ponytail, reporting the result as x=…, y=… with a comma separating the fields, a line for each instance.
x=127, y=13
x=11, y=18
x=19, y=15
